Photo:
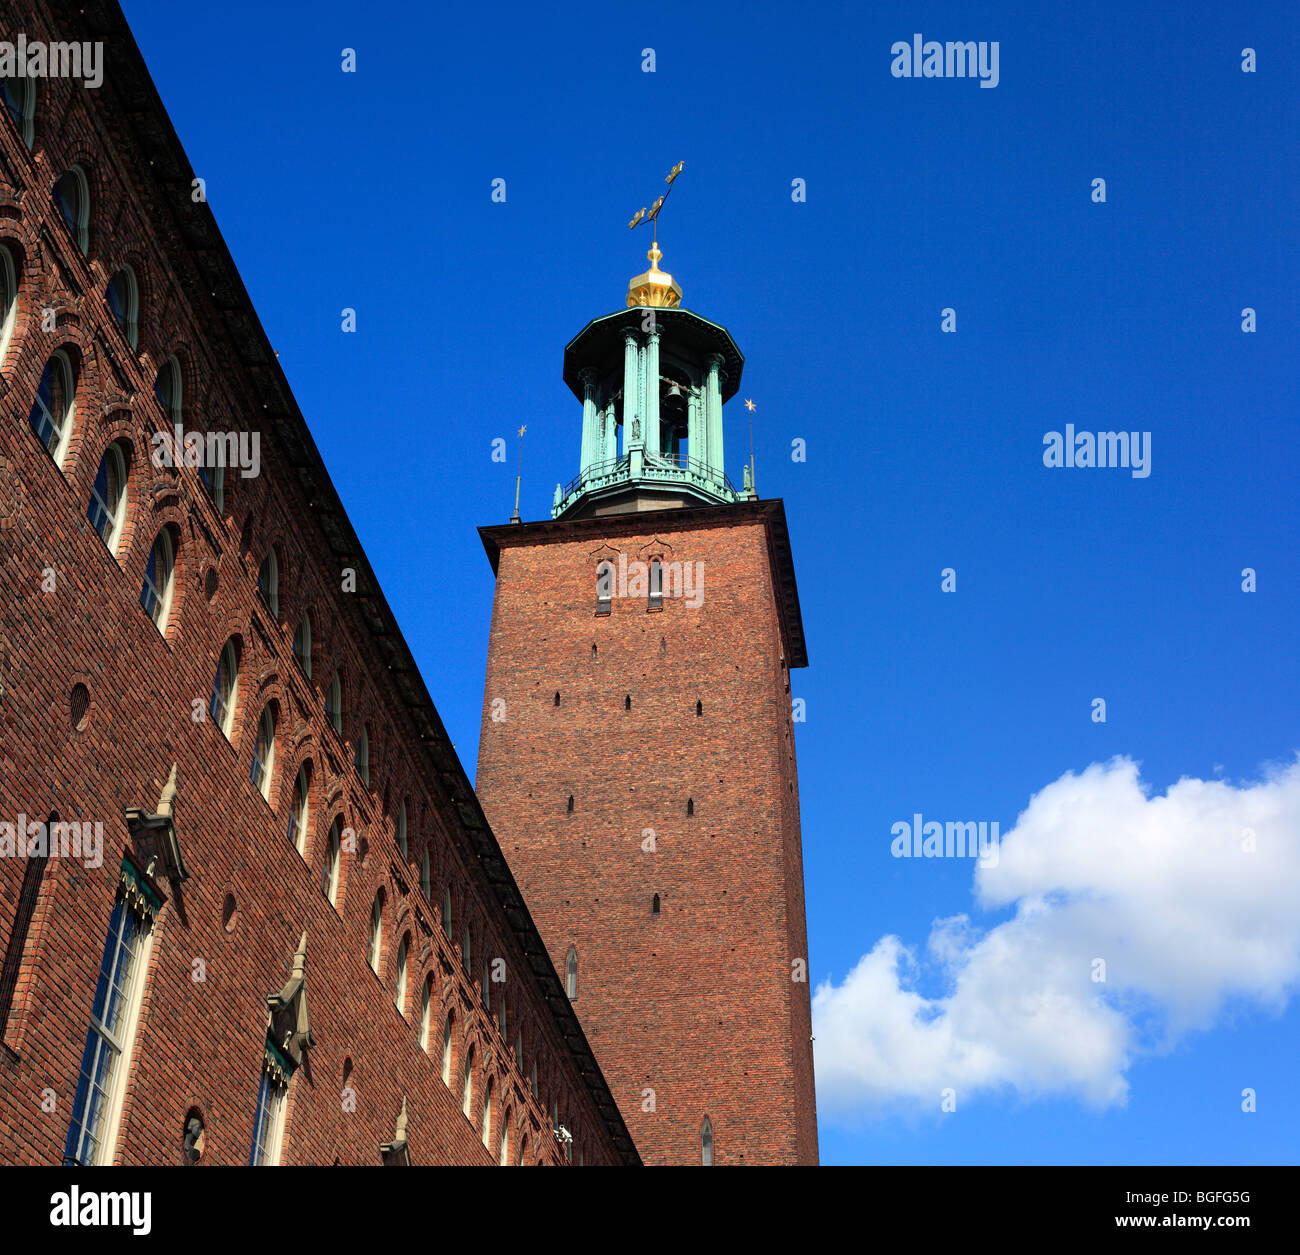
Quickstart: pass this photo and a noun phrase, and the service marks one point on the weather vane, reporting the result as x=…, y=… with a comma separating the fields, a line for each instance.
x=652, y=215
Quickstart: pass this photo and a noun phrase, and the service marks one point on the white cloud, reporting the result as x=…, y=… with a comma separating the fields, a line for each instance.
x=1160, y=888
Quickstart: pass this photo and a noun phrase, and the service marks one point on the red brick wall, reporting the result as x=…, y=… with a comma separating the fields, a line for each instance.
x=200, y=1042
x=697, y=1003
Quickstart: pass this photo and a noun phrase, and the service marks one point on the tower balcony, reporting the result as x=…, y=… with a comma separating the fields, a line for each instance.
x=638, y=480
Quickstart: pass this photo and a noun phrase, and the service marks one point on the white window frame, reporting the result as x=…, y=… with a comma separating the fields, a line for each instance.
x=485, y=1123
x=113, y=512
x=163, y=554
x=426, y=1013
x=268, y=582
x=9, y=282
x=122, y=1042
x=171, y=369
x=330, y=871
x=300, y=810
x=334, y=703
x=448, y=1028
x=268, y=1123
x=399, y=987
x=80, y=229
x=263, y=765
x=467, y=1085
x=25, y=122
x=224, y=715
x=128, y=296
x=361, y=758
x=61, y=364
x=375, y=944
x=302, y=644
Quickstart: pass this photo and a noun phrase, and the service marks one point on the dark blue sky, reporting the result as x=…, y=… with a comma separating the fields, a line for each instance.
x=924, y=451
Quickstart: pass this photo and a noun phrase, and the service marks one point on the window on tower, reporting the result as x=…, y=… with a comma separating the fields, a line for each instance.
x=571, y=975
x=604, y=587
x=656, y=584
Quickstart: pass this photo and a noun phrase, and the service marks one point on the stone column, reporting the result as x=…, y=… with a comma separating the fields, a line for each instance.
x=697, y=441
x=631, y=384
x=590, y=454
x=652, y=435
x=713, y=413
x=611, y=432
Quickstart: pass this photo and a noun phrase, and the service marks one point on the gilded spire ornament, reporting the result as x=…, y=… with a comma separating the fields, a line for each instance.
x=655, y=287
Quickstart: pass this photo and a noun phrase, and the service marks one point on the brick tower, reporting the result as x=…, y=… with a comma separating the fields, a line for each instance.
x=637, y=758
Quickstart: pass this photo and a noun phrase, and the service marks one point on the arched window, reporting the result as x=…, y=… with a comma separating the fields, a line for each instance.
x=446, y=909
x=8, y=297
x=299, y=810
x=502, y=1019
x=467, y=1085
x=107, y=507
x=504, y=1160
x=627, y=702
x=225, y=688
x=302, y=644
x=706, y=1143
x=329, y=880
x=486, y=1129
x=334, y=703
x=699, y=709
x=654, y=905
x=690, y=806
x=399, y=989
x=446, y=1048
x=557, y=698
x=159, y=580
x=376, y=945
x=214, y=480
x=465, y=956
x=569, y=808
x=604, y=587
x=519, y=1047
x=20, y=102
x=426, y=877
x=264, y=754
x=123, y=297
x=167, y=388
x=571, y=975
x=54, y=409
x=533, y=1077
x=487, y=985
x=426, y=1013
x=72, y=198
x=361, y=759
x=656, y=584
x=401, y=830
x=268, y=582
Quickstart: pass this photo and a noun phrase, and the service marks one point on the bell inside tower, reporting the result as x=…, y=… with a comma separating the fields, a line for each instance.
x=673, y=418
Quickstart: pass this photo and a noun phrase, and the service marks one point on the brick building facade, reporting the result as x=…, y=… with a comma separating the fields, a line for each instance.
x=302, y=806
